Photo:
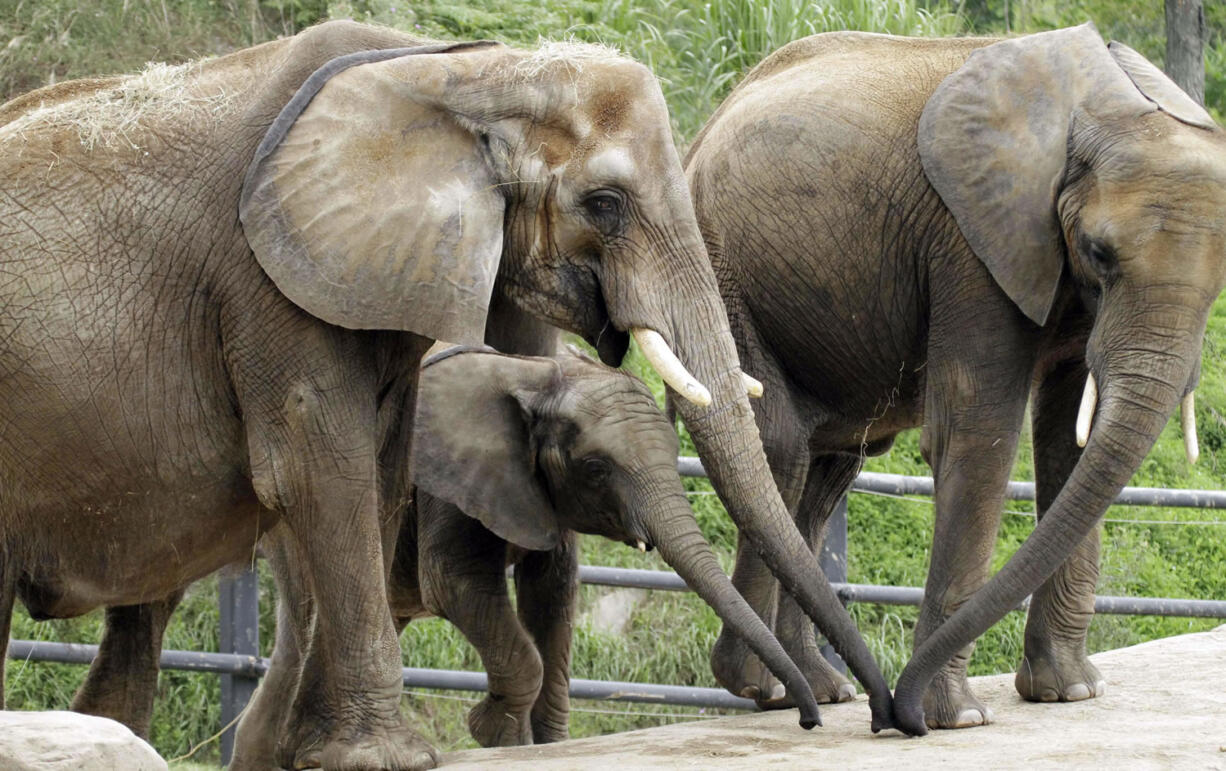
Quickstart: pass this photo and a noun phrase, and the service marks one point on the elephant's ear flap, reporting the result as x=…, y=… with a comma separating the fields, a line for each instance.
x=1158, y=88
x=993, y=141
x=372, y=204
x=472, y=442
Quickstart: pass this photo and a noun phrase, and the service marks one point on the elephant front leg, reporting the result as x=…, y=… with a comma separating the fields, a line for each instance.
x=829, y=478
x=974, y=404
x=123, y=677
x=462, y=577
x=546, y=590
x=1054, y=665
x=326, y=483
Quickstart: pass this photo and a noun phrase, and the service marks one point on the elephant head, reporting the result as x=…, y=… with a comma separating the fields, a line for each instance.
x=397, y=185
x=1070, y=165
x=531, y=446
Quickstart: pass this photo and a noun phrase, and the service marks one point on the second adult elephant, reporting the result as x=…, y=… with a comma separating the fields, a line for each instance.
x=915, y=232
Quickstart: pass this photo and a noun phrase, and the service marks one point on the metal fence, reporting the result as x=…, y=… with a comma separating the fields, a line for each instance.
x=240, y=665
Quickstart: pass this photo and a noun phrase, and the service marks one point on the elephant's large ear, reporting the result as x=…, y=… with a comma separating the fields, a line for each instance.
x=1158, y=88
x=472, y=441
x=373, y=203
x=994, y=137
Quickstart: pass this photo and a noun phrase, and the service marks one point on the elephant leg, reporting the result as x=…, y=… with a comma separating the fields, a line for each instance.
x=8, y=593
x=785, y=440
x=977, y=388
x=546, y=590
x=122, y=680
x=1054, y=664
x=348, y=700
x=463, y=580
x=830, y=476
x=263, y=723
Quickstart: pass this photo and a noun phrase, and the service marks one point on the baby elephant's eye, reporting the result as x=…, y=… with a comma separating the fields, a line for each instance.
x=595, y=469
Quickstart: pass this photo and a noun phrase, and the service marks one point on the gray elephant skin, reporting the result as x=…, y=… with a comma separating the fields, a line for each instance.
x=919, y=232
x=223, y=274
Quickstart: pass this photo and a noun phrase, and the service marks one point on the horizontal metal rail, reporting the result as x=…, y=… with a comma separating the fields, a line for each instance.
x=447, y=679
x=897, y=484
x=911, y=595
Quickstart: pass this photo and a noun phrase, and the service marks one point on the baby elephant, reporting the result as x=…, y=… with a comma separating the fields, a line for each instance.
x=532, y=449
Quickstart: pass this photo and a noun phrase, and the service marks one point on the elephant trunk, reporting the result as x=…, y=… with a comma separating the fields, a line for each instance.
x=682, y=545
x=1140, y=387
x=727, y=440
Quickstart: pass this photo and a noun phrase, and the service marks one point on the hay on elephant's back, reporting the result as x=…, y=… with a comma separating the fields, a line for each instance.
x=112, y=116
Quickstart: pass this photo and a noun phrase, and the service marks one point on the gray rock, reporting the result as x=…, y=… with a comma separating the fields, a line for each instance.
x=68, y=741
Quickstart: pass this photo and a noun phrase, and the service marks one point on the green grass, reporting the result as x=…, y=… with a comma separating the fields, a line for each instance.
x=699, y=49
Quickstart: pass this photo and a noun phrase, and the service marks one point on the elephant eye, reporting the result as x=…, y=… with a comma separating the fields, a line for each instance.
x=595, y=470
x=604, y=205
x=1102, y=258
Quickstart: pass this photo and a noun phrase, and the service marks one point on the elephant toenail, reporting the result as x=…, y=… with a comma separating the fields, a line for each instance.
x=424, y=760
x=847, y=692
x=778, y=692
x=1100, y=688
x=969, y=717
x=750, y=692
x=1077, y=692
x=1049, y=694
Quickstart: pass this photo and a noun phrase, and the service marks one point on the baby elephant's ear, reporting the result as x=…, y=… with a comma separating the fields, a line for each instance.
x=372, y=203
x=472, y=442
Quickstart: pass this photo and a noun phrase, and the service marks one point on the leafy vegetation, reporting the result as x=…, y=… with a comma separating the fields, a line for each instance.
x=699, y=48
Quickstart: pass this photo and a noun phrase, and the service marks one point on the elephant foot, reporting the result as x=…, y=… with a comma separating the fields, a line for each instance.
x=740, y=672
x=949, y=703
x=495, y=723
x=1050, y=677
x=550, y=731
x=395, y=749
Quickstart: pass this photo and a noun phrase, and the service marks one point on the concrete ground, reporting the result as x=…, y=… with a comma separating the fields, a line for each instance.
x=1165, y=707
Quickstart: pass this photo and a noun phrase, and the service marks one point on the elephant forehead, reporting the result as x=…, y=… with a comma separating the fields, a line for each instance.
x=614, y=165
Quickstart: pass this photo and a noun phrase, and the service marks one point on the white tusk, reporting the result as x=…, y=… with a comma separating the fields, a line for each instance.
x=642, y=546
x=1085, y=416
x=669, y=367
x=1191, y=444
x=753, y=386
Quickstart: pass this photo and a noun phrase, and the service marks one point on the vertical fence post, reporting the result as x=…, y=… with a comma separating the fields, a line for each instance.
x=239, y=602
x=833, y=560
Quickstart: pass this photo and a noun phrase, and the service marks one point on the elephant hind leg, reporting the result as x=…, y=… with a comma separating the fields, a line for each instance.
x=830, y=476
x=1054, y=664
x=122, y=679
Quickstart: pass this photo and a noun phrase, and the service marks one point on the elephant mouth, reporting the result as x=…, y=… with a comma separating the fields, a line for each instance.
x=610, y=342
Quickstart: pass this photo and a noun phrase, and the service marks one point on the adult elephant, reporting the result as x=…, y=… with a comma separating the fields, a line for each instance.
x=223, y=275
x=924, y=232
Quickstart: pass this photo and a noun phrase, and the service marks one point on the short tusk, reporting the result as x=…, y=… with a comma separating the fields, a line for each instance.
x=669, y=367
x=1085, y=416
x=753, y=386
x=641, y=546
x=1191, y=444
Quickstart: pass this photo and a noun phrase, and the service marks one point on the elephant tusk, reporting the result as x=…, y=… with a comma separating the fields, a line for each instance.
x=641, y=546
x=1085, y=416
x=753, y=386
x=1191, y=443
x=669, y=367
